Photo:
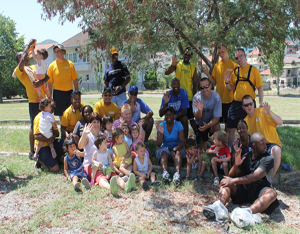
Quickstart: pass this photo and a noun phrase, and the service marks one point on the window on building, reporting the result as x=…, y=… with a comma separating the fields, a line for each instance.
x=274, y=81
x=282, y=82
x=87, y=77
x=74, y=58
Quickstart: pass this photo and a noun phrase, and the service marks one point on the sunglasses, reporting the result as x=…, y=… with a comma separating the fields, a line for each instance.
x=240, y=56
x=204, y=87
x=248, y=104
x=133, y=94
x=107, y=95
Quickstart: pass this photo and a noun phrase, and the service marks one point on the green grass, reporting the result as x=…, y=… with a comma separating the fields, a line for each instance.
x=283, y=106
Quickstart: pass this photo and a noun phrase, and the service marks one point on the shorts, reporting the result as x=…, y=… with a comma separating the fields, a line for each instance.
x=225, y=108
x=168, y=150
x=80, y=173
x=33, y=111
x=99, y=175
x=248, y=193
x=62, y=100
x=270, y=146
x=235, y=113
x=119, y=99
x=202, y=136
x=190, y=113
x=45, y=157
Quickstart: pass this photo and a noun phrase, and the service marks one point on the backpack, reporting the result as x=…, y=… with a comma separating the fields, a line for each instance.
x=243, y=78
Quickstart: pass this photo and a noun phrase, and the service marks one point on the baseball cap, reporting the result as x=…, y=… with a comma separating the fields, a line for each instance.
x=107, y=89
x=114, y=50
x=170, y=108
x=60, y=46
x=133, y=88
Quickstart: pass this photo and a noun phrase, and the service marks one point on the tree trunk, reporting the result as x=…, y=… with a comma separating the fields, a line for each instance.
x=278, y=84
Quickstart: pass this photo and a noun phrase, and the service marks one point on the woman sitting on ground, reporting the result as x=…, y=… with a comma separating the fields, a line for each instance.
x=78, y=129
x=170, y=139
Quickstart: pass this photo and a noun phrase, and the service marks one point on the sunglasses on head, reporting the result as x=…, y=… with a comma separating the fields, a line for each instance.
x=248, y=104
x=204, y=87
x=133, y=93
x=240, y=56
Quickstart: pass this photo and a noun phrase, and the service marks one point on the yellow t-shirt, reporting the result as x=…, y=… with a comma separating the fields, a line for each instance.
x=23, y=77
x=184, y=73
x=36, y=129
x=244, y=87
x=69, y=118
x=62, y=74
x=120, y=151
x=218, y=75
x=263, y=124
x=102, y=109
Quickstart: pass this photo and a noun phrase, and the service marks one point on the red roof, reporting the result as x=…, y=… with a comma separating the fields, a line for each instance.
x=289, y=43
x=254, y=52
x=209, y=58
x=266, y=72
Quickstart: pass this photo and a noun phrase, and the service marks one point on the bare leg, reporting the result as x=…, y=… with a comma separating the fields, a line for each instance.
x=214, y=167
x=54, y=169
x=94, y=171
x=52, y=150
x=31, y=140
x=188, y=169
x=116, y=168
x=203, y=145
x=104, y=183
x=152, y=177
x=226, y=192
x=38, y=148
x=177, y=161
x=201, y=167
x=215, y=128
x=164, y=160
x=231, y=132
x=225, y=168
x=148, y=126
x=263, y=202
x=124, y=170
x=276, y=153
x=142, y=180
x=120, y=182
x=39, y=93
x=74, y=180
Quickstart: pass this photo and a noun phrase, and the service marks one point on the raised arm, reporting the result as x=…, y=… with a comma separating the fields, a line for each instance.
x=172, y=68
x=267, y=111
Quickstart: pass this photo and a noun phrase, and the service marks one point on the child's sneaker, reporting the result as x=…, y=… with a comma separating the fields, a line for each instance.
x=145, y=186
x=155, y=183
x=92, y=182
x=77, y=186
x=130, y=183
x=86, y=184
x=188, y=178
x=199, y=178
x=113, y=185
x=125, y=178
x=216, y=181
x=166, y=177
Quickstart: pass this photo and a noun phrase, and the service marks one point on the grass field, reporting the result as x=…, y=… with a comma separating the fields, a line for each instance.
x=285, y=107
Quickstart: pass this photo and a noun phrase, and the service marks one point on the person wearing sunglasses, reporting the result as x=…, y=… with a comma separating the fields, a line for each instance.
x=138, y=106
x=242, y=81
x=264, y=121
x=207, y=108
x=106, y=106
x=116, y=76
x=63, y=76
x=186, y=73
x=217, y=79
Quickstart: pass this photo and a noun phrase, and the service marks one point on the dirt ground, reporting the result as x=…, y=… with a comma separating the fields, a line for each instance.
x=156, y=211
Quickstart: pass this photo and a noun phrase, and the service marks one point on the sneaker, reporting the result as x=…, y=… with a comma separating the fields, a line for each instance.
x=30, y=155
x=155, y=183
x=176, y=178
x=199, y=178
x=166, y=177
x=92, y=182
x=125, y=178
x=145, y=186
x=216, y=181
x=86, y=184
x=188, y=178
x=113, y=185
x=38, y=165
x=130, y=183
x=209, y=212
x=77, y=186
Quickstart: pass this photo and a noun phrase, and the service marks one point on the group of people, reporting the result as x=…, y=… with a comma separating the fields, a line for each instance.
x=111, y=136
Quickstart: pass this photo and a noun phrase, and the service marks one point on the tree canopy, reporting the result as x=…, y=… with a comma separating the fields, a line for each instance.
x=140, y=27
x=10, y=44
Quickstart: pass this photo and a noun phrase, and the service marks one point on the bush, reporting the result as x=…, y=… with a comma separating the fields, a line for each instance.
x=162, y=84
x=151, y=82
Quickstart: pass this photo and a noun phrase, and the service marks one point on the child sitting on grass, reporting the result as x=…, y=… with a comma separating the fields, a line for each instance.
x=107, y=123
x=73, y=167
x=142, y=167
x=46, y=123
x=138, y=135
x=101, y=159
x=121, y=157
x=193, y=157
x=222, y=155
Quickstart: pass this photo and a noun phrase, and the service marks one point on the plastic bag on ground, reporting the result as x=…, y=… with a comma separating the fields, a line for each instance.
x=221, y=211
x=243, y=217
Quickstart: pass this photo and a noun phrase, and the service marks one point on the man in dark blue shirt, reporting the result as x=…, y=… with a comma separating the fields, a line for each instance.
x=116, y=77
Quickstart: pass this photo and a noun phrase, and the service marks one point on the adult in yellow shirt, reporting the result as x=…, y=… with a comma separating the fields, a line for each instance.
x=217, y=79
x=45, y=158
x=21, y=71
x=72, y=114
x=264, y=121
x=62, y=73
x=106, y=106
x=186, y=73
x=249, y=78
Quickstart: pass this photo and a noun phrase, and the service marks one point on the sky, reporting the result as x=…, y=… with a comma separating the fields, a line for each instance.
x=27, y=17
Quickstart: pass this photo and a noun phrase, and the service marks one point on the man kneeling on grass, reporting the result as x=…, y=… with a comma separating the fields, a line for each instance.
x=248, y=182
